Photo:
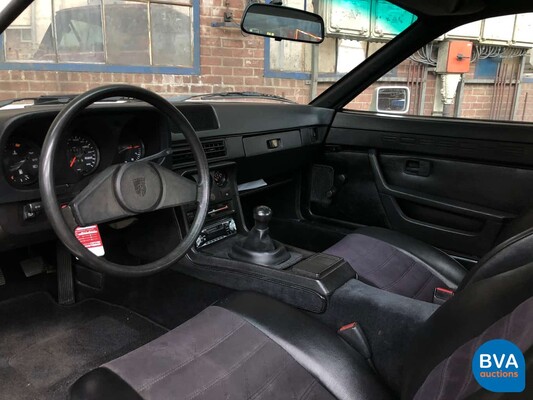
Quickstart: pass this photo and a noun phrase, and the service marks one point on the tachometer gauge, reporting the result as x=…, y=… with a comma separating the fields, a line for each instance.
x=131, y=152
x=82, y=155
x=21, y=162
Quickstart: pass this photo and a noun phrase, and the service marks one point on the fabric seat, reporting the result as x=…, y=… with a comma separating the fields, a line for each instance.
x=253, y=347
x=403, y=265
x=246, y=347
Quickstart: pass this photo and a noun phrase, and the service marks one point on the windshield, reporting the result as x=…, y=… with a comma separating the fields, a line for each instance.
x=186, y=49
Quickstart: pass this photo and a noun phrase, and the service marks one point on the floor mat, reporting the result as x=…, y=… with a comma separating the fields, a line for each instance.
x=168, y=298
x=45, y=347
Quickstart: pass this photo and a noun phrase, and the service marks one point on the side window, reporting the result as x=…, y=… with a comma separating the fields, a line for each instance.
x=482, y=70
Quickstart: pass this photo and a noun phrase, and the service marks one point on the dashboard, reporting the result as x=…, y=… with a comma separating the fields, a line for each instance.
x=262, y=140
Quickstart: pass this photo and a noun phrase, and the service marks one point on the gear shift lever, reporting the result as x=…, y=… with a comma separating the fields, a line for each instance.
x=262, y=216
x=258, y=238
x=258, y=247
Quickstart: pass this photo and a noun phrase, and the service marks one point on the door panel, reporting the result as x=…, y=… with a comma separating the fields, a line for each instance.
x=497, y=142
x=502, y=188
x=451, y=183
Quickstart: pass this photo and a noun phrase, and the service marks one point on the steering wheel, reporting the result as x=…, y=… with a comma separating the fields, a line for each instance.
x=123, y=190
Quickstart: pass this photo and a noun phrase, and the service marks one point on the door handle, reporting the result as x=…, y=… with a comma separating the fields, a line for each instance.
x=417, y=167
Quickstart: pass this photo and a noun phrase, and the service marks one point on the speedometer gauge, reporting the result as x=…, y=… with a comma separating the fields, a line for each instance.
x=131, y=151
x=82, y=155
x=21, y=162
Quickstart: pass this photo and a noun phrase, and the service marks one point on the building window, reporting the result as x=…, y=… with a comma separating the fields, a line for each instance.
x=342, y=50
x=106, y=35
x=487, y=68
x=285, y=58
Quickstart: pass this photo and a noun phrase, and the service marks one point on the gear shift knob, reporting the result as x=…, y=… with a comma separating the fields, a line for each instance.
x=258, y=247
x=262, y=216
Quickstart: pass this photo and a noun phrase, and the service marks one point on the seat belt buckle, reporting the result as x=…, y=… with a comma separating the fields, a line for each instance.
x=354, y=335
x=442, y=295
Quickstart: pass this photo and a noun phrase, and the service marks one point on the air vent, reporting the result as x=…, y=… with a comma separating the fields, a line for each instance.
x=182, y=154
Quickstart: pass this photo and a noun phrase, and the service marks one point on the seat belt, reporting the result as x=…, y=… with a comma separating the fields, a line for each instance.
x=442, y=295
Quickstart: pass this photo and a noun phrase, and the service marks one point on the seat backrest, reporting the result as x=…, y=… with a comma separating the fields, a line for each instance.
x=515, y=227
x=498, y=307
x=513, y=249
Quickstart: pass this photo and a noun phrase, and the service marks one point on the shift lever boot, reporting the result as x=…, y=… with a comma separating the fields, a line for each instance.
x=258, y=247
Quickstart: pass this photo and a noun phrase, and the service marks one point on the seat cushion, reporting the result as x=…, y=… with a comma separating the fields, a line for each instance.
x=247, y=347
x=397, y=263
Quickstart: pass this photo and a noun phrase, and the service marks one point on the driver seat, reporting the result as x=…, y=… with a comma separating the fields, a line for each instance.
x=253, y=347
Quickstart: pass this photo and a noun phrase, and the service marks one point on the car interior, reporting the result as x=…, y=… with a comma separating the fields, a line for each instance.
x=257, y=250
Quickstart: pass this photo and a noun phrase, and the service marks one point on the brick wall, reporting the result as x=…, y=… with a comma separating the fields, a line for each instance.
x=524, y=110
x=229, y=62
x=483, y=100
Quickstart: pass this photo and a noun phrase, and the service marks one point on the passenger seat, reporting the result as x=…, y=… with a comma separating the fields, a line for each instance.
x=406, y=266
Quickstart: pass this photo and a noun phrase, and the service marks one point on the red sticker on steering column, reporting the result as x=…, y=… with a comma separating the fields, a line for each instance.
x=89, y=236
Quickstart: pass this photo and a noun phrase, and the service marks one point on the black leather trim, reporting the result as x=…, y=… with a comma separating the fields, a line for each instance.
x=515, y=227
x=436, y=261
x=462, y=318
x=481, y=272
x=336, y=365
x=102, y=383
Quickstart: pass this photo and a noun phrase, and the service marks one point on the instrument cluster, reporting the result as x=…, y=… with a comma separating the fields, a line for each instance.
x=21, y=157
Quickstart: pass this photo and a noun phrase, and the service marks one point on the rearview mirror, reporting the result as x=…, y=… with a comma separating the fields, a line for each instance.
x=285, y=23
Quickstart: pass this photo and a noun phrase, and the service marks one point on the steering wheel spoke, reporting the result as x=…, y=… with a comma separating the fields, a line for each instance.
x=68, y=216
x=97, y=202
x=178, y=190
x=125, y=190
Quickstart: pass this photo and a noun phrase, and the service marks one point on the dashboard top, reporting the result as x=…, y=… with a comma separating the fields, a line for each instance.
x=211, y=119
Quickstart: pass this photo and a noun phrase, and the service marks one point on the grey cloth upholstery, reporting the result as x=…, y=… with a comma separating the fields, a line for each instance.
x=412, y=270
x=216, y=355
x=389, y=332
x=473, y=313
x=452, y=377
x=243, y=349
x=399, y=264
x=248, y=346
x=338, y=367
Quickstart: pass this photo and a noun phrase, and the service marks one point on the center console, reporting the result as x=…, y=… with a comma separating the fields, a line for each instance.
x=223, y=215
x=228, y=254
